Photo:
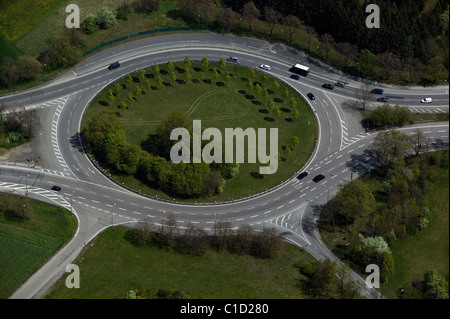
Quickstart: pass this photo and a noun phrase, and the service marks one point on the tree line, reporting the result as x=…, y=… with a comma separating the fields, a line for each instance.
x=409, y=47
x=194, y=240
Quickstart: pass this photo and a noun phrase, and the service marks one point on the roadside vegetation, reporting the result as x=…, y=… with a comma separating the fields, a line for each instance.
x=395, y=218
x=39, y=47
x=16, y=128
x=30, y=234
x=127, y=128
x=389, y=116
x=132, y=264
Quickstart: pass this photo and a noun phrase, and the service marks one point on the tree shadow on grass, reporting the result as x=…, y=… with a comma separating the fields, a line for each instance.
x=269, y=119
x=263, y=111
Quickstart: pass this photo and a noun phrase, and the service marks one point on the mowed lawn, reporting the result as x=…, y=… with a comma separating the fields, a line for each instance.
x=429, y=249
x=219, y=106
x=26, y=245
x=112, y=266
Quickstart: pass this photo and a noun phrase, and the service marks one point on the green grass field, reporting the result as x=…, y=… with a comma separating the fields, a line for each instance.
x=221, y=107
x=25, y=246
x=112, y=266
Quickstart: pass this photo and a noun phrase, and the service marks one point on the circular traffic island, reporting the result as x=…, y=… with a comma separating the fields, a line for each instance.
x=236, y=132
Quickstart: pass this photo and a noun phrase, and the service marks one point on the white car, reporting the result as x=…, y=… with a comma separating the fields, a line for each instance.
x=426, y=100
x=265, y=67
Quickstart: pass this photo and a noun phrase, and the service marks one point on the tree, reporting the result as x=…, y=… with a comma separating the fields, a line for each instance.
x=223, y=234
x=310, y=35
x=276, y=111
x=365, y=62
x=123, y=11
x=349, y=52
x=346, y=287
x=356, y=200
x=97, y=129
x=419, y=141
x=257, y=89
x=363, y=96
x=105, y=18
x=291, y=24
x=222, y=63
x=155, y=68
x=286, y=93
x=142, y=73
x=276, y=85
x=204, y=62
x=117, y=88
x=293, y=103
x=159, y=81
x=388, y=62
x=295, y=114
x=187, y=63
x=58, y=53
x=434, y=286
x=250, y=13
x=128, y=79
x=272, y=17
x=194, y=240
x=328, y=44
x=170, y=65
x=173, y=78
x=249, y=85
x=137, y=91
x=390, y=146
x=175, y=120
x=143, y=233
x=28, y=67
x=187, y=75
x=146, y=6
x=227, y=19
x=215, y=74
x=8, y=72
x=242, y=242
x=267, y=244
x=90, y=24
x=168, y=231
x=320, y=278
x=111, y=96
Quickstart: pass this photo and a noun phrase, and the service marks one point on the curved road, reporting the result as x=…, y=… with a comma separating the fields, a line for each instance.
x=293, y=207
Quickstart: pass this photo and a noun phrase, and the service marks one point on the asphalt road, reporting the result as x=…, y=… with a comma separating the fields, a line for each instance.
x=293, y=207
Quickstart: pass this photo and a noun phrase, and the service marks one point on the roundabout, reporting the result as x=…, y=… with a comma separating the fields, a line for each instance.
x=223, y=101
x=292, y=207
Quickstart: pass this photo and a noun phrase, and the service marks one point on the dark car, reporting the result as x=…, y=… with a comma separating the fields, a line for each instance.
x=318, y=178
x=113, y=66
x=56, y=188
x=383, y=99
x=377, y=91
x=328, y=86
x=295, y=77
x=302, y=175
x=311, y=96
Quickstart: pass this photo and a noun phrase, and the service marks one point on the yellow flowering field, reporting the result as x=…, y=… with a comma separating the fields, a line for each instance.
x=17, y=17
